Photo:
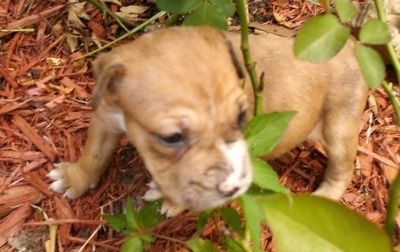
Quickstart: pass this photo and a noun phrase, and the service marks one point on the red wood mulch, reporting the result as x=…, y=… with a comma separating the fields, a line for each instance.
x=44, y=113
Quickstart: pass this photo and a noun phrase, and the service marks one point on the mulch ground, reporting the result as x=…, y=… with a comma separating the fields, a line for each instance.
x=45, y=95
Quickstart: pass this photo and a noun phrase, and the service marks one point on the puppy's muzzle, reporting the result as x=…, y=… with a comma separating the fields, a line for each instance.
x=227, y=190
x=222, y=182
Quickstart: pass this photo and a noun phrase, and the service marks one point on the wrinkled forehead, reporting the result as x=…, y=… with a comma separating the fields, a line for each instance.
x=177, y=96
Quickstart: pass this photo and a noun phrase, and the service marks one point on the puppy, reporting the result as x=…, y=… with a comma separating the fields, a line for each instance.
x=177, y=95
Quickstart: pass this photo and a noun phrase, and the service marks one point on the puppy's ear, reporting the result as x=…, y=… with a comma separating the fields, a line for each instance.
x=108, y=79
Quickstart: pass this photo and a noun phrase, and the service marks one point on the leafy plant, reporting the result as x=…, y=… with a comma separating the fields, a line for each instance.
x=305, y=223
x=323, y=36
x=200, y=12
x=135, y=224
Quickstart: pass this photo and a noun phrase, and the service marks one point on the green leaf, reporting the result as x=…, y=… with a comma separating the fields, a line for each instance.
x=264, y=131
x=213, y=13
x=253, y=216
x=118, y=223
x=371, y=64
x=225, y=7
x=255, y=191
x=232, y=217
x=178, y=6
x=375, y=32
x=320, y=38
x=202, y=220
x=345, y=9
x=150, y=215
x=131, y=216
x=147, y=239
x=132, y=244
x=307, y=223
x=200, y=245
x=233, y=245
x=265, y=177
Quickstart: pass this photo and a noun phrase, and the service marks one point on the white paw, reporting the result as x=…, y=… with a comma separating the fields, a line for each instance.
x=154, y=194
x=68, y=179
x=169, y=210
x=58, y=185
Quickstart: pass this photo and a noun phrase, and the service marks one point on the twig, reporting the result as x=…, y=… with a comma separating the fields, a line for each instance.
x=26, y=30
x=167, y=238
x=30, y=20
x=250, y=64
x=139, y=27
x=120, y=20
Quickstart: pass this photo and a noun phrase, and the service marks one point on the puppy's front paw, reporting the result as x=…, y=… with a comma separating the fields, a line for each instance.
x=153, y=193
x=167, y=209
x=170, y=210
x=70, y=180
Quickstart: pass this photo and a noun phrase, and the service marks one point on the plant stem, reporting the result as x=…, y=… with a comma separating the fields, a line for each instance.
x=101, y=6
x=395, y=61
x=394, y=193
x=393, y=100
x=126, y=35
x=173, y=19
x=250, y=64
x=391, y=209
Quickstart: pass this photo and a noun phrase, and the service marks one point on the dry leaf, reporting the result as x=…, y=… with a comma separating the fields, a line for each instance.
x=26, y=81
x=282, y=20
x=131, y=12
x=61, y=89
x=96, y=40
x=54, y=61
x=76, y=11
x=72, y=41
x=58, y=28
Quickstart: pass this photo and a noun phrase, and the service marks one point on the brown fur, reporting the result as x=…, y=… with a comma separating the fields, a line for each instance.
x=156, y=79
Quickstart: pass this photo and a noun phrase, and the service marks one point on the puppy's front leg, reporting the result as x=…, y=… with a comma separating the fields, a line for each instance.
x=74, y=179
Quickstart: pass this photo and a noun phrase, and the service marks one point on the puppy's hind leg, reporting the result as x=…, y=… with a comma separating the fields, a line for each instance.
x=74, y=179
x=340, y=138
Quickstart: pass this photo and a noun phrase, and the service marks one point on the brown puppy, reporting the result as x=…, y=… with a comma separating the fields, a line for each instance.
x=176, y=94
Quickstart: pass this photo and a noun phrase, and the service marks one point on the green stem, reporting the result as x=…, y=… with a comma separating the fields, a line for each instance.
x=250, y=64
x=381, y=14
x=393, y=100
x=126, y=35
x=392, y=53
x=119, y=19
x=173, y=19
x=392, y=207
x=394, y=193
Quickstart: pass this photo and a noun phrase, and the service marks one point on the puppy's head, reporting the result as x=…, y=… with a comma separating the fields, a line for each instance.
x=176, y=93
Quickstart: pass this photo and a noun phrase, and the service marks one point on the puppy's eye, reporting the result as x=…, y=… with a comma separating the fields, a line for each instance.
x=174, y=140
x=241, y=120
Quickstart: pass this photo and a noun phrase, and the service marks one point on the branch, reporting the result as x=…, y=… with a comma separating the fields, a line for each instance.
x=249, y=63
x=126, y=35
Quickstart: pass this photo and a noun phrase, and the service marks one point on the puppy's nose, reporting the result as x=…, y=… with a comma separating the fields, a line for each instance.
x=226, y=189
